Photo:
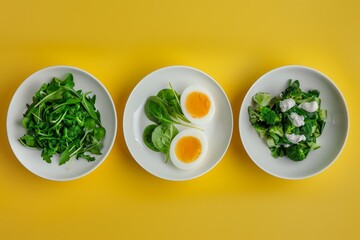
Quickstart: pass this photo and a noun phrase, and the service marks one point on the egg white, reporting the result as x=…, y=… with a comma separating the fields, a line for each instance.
x=204, y=146
x=197, y=121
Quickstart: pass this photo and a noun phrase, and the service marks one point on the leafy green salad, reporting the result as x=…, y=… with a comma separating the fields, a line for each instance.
x=289, y=123
x=164, y=110
x=63, y=121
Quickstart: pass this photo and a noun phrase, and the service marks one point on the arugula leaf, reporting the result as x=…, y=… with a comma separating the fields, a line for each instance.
x=63, y=121
x=65, y=156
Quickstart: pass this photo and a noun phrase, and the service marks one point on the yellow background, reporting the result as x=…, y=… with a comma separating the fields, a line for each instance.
x=235, y=41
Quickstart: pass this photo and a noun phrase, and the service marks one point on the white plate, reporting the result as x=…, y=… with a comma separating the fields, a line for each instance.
x=218, y=131
x=32, y=159
x=332, y=140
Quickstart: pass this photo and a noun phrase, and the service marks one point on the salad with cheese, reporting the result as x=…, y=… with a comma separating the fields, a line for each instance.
x=291, y=122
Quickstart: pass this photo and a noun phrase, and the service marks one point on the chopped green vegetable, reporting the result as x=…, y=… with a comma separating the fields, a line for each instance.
x=297, y=152
x=64, y=122
x=277, y=127
x=269, y=116
x=263, y=99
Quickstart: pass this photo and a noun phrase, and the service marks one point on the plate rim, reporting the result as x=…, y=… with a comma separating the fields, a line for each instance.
x=333, y=85
x=126, y=109
x=108, y=95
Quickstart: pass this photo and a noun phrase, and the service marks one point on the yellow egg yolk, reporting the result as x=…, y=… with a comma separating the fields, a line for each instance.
x=188, y=149
x=197, y=104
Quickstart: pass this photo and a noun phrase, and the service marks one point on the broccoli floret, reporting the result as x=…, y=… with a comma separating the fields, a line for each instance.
x=262, y=99
x=270, y=116
x=296, y=152
x=293, y=90
x=254, y=117
x=277, y=152
x=261, y=130
x=277, y=129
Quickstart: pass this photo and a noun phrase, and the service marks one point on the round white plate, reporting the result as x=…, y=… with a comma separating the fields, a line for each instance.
x=331, y=141
x=31, y=159
x=218, y=131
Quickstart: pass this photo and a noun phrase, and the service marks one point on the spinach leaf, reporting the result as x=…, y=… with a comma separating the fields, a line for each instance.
x=269, y=115
x=162, y=137
x=147, y=137
x=156, y=111
x=172, y=100
x=164, y=110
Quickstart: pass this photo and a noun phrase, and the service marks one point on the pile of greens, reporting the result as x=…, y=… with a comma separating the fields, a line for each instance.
x=63, y=121
x=272, y=124
x=164, y=110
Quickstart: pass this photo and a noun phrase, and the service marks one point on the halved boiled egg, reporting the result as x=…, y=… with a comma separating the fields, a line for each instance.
x=188, y=149
x=197, y=105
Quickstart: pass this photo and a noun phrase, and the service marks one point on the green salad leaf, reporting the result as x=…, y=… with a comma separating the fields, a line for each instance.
x=278, y=128
x=165, y=112
x=162, y=137
x=63, y=121
x=171, y=98
x=147, y=137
